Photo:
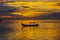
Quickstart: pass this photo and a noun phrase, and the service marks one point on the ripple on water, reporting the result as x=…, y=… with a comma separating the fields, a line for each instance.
x=47, y=30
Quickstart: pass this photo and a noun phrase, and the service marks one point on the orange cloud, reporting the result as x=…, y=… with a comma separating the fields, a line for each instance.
x=6, y=17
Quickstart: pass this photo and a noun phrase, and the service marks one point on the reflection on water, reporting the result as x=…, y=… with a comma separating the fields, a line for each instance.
x=47, y=30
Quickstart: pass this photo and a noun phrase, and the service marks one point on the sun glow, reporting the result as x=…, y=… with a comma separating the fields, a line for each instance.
x=35, y=8
x=29, y=14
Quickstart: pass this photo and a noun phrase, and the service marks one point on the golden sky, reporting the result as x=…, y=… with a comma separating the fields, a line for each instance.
x=35, y=8
x=34, y=0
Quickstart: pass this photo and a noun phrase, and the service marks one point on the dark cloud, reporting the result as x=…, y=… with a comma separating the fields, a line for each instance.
x=52, y=16
x=7, y=10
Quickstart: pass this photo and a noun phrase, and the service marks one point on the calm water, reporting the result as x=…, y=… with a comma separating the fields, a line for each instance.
x=47, y=30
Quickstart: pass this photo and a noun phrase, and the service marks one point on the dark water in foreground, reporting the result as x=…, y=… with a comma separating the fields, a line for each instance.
x=47, y=30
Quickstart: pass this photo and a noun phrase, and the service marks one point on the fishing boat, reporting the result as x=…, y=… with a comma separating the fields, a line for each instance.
x=31, y=24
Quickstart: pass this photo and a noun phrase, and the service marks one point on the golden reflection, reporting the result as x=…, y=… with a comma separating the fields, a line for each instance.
x=45, y=31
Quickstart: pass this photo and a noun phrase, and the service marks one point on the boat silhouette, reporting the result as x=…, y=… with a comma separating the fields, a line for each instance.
x=31, y=24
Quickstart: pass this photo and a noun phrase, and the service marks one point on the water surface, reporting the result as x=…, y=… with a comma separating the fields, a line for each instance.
x=47, y=30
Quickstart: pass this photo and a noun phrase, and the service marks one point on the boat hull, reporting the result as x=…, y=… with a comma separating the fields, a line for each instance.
x=30, y=25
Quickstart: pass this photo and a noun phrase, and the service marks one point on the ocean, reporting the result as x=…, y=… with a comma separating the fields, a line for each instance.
x=46, y=30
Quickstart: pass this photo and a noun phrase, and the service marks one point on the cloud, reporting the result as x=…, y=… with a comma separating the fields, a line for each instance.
x=39, y=0
x=52, y=16
x=38, y=9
